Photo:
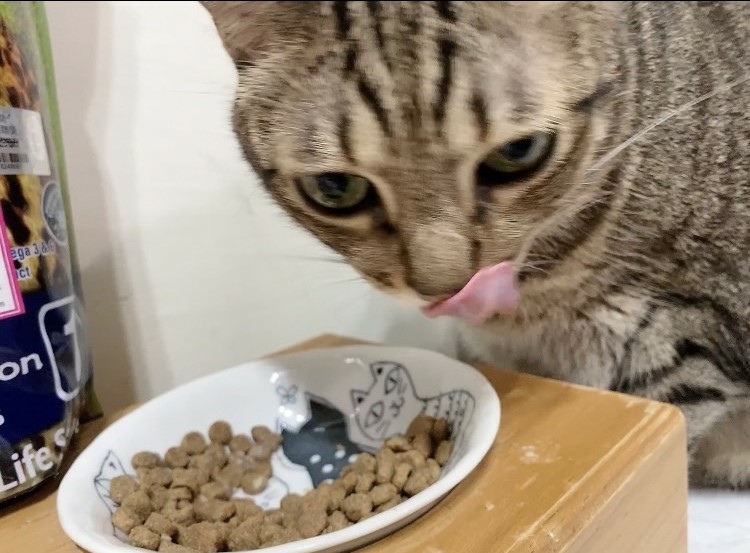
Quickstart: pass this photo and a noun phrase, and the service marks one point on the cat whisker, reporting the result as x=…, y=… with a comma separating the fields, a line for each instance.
x=602, y=162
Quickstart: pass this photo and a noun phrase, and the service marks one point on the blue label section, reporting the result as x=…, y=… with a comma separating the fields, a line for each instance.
x=40, y=366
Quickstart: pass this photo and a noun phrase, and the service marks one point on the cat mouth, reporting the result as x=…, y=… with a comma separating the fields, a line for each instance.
x=491, y=291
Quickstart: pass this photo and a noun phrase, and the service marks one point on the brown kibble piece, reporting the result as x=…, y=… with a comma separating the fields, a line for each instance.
x=167, y=546
x=264, y=435
x=312, y=522
x=230, y=475
x=388, y=505
x=177, y=494
x=336, y=496
x=125, y=520
x=291, y=506
x=194, y=443
x=122, y=486
x=413, y=457
x=202, y=536
x=440, y=431
x=157, y=522
x=218, y=453
x=202, y=462
x=270, y=532
x=138, y=502
x=398, y=444
x=365, y=482
x=401, y=475
x=246, y=535
x=260, y=452
x=419, y=480
x=176, y=457
x=246, y=508
x=434, y=468
x=287, y=535
x=365, y=463
x=337, y=521
x=140, y=536
x=382, y=493
x=443, y=452
x=356, y=506
x=421, y=424
x=180, y=516
x=240, y=444
x=216, y=490
x=253, y=483
x=159, y=496
x=349, y=481
x=146, y=460
x=220, y=432
x=187, y=478
x=214, y=510
x=274, y=516
x=157, y=476
x=263, y=468
x=422, y=443
x=386, y=465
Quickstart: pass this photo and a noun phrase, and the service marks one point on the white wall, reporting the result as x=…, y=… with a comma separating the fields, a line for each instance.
x=187, y=268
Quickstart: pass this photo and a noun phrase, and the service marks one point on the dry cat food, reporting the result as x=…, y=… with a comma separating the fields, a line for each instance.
x=184, y=501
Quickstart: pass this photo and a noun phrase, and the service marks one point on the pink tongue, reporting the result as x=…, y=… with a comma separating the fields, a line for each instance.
x=492, y=291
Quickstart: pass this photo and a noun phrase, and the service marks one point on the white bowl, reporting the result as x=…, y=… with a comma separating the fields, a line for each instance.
x=359, y=396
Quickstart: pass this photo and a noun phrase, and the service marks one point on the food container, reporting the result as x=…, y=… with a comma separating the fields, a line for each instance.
x=45, y=370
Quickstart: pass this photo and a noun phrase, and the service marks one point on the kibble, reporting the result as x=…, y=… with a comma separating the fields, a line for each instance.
x=122, y=486
x=194, y=443
x=240, y=444
x=125, y=520
x=157, y=522
x=183, y=502
x=140, y=536
x=220, y=432
x=176, y=457
x=145, y=460
x=443, y=452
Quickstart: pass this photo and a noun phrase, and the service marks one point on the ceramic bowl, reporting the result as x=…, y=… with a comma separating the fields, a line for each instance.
x=330, y=404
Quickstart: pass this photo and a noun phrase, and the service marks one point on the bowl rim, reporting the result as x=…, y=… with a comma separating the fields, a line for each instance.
x=377, y=524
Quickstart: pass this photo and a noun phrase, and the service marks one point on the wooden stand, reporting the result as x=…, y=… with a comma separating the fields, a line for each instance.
x=572, y=469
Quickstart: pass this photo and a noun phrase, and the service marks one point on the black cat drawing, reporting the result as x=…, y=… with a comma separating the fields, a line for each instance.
x=322, y=445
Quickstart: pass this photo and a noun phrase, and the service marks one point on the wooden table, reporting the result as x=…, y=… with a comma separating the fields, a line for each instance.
x=572, y=469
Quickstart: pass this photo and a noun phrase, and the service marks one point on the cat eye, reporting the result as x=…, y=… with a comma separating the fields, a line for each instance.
x=375, y=414
x=516, y=159
x=336, y=192
x=390, y=383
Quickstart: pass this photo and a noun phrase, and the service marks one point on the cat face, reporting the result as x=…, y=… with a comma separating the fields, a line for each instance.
x=426, y=140
x=391, y=397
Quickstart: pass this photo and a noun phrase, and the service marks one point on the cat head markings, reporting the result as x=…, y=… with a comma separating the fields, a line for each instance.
x=425, y=140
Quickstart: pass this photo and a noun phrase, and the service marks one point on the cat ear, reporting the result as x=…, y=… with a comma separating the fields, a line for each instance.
x=358, y=396
x=249, y=29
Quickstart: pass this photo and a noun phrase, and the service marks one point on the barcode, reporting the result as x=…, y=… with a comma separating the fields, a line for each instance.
x=6, y=157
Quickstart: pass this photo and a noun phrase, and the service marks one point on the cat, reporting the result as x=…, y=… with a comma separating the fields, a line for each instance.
x=568, y=180
x=391, y=403
x=322, y=445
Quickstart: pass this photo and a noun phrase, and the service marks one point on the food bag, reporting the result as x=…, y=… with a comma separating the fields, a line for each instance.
x=45, y=372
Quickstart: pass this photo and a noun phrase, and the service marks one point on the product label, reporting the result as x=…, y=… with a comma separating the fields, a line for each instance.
x=11, y=301
x=23, y=150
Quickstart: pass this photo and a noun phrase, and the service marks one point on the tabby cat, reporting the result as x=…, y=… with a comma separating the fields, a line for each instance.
x=571, y=179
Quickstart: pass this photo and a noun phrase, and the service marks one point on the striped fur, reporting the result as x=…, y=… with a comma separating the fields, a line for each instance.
x=635, y=268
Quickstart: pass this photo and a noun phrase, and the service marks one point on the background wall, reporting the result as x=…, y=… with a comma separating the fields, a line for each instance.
x=187, y=267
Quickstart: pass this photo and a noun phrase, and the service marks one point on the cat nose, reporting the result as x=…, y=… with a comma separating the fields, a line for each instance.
x=439, y=261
